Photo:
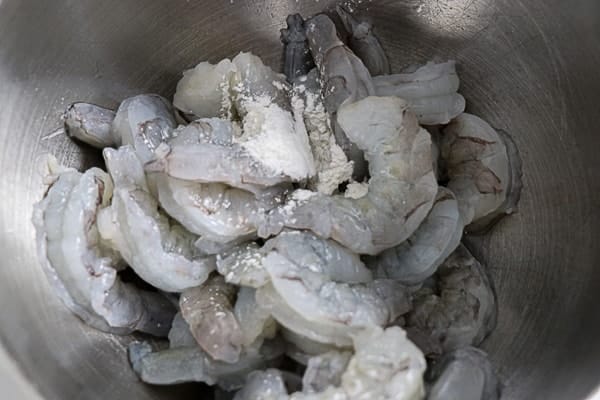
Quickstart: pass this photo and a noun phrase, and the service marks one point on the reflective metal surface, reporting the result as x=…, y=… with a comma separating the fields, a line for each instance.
x=529, y=67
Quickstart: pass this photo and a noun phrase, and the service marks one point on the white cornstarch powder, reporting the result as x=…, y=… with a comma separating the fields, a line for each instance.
x=273, y=136
x=332, y=165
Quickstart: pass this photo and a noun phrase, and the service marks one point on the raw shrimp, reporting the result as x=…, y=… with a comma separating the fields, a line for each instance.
x=364, y=43
x=208, y=310
x=464, y=374
x=263, y=385
x=90, y=124
x=159, y=250
x=307, y=251
x=215, y=211
x=224, y=90
x=385, y=366
x=431, y=91
x=345, y=80
x=513, y=190
x=255, y=82
x=268, y=298
x=301, y=349
x=204, y=91
x=332, y=165
x=82, y=271
x=192, y=364
x=256, y=323
x=459, y=311
x=180, y=334
x=319, y=298
x=297, y=60
x=401, y=190
x=482, y=173
x=144, y=122
x=243, y=266
x=325, y=370
x=228, y=162
x=419, y=256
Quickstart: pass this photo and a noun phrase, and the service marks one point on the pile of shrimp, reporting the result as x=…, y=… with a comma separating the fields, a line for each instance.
x=262, y=284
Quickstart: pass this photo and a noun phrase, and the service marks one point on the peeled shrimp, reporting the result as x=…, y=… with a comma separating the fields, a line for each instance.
x=204, y=91
x=419, y=256
x=90, y=124
x=459, y=311
x=243, y=266
x=216, y=211
x=318, y=297
x=345, y=80
x=192, y=364
x=223, y=90
x=364, y=43
x=143, y=122
x=230, y=163
x=298, y=60
x=484, y=176
x=180, y=334
x=325, y=370
x=255, y=322
x=401, y=190
x=332, y=165
x=269, y=299
x=81, y=270
x=385, y=366
x=431, y=91
x=159, y=250
x=208, y=310
x=465, y=374
x=301, y=349
x=307, y=251
x=263, y=385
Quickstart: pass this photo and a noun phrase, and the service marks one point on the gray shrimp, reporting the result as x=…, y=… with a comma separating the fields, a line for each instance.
x=144, y=122
x=464, y=374
x=401, y=190
x=180, y=334
x=300, y=348
x=263, y=385
x=297, y=60
x=82, y=271
x=208, y=310
x=90, y=124
x=210, y=161
x=256, y=323
x=325, y=370
x=460, y=310
x=385, y=365
x=321, y=298
x=419, y=256
x=215, y=211
x=226, y=89
x=483, y=169
x=431, y=91
x=364, y=43
x=345, y=80
x=243, y=265
x=159, y=250
x=192, y=364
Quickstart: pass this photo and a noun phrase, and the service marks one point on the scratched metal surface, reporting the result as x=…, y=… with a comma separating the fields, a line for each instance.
x=529, y=67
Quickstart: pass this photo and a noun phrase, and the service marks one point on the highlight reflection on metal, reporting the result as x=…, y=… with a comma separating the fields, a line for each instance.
x=530, y=68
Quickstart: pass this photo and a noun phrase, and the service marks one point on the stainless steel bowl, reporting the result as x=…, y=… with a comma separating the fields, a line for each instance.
x=530, y=67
